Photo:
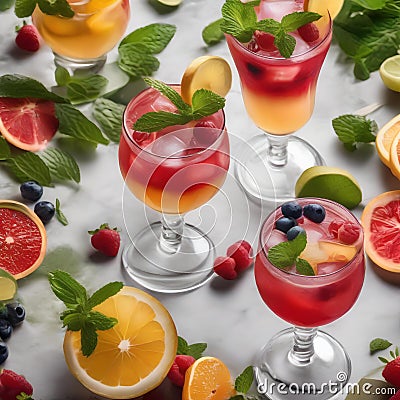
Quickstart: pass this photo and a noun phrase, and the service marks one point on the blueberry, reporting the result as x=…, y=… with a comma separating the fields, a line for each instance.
x=292, y=209
x=16, y=313
x=3, y=352
x=31, y=190
x=5, y=329
x=293, y=232
x=314, y=212
x=254, y=70
x=283, y=224
x=44, y=210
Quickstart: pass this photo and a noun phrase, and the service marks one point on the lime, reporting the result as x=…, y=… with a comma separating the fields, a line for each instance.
x=171, y=3
x=390, y=73
x=8, y=285
x=329, y=183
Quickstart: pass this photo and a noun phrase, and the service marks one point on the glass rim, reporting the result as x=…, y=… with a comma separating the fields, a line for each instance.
x=88, y=14
x=322, y=276
x=125, y=131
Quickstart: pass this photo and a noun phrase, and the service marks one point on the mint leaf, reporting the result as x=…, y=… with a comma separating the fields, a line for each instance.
x=100, y=321
x=109, y=115
x=378, y=344
x=56, y=7
x=196, y=350
x=59, y=214
x=61, y=164
x=295, y=20
x=154, y=121
x=284, y=254
x=6, y=4
x=102, y=294
x=353, y=129
x=285, y=44
x=244, y=381
x=182, y=346
x=155, y=37
x=29, y=166
x=206, y=102
x=212, y=33
x=5, y=151
x=62, y=76
x=88, y=339
x=75, y=124
x=85, y=90
x=24, y=8
x=303, y=267
x=66, y=288
x=270, y=26
x=73, y=321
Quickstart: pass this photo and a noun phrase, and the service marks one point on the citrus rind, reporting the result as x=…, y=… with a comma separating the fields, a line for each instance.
x=8, y=286
x=385, y=137
x=389, y=72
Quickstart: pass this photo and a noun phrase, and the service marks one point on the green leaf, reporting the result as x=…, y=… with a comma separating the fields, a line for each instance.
x=74, y=321
x=155, y=37
x=24, y=8
x=182, y=346
x=196, y=350
x=294, y=21
x=75, y=124
x=102, y=294
x=85, y=90
x=109, y=115
x=303, y=267
x=59, y=214
x=56, y=7
x=361, y=71
x=371, y=4
x=244, y=381
x=154, y=121
x=62, y=76
x=100, y=321
x=378, y=344
x=269, y=25
x=5, y=151
x=205, y=102
x=284, y=254
x=61, y=164
x=285, y=44
x=66, y=288
x=6, y=4
x=88, y=339
x=212, y=33
x=29, y=166
x=384, y=360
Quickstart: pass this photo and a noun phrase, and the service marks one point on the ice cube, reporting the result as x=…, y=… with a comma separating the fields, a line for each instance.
x=169, y=145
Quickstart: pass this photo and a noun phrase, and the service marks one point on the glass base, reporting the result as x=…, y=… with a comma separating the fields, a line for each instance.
x=153, y=268
x=93, y=65
x=263, y=181
x=326, y=375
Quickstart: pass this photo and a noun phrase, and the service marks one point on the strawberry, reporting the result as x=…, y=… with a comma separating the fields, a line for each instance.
x=106, y=240
x=391, y=372
x=178, y=369
x=13, y=385
x=309, y=32
x=241, y=252
x=28, y=38
x=225, y=267
x=396, y=396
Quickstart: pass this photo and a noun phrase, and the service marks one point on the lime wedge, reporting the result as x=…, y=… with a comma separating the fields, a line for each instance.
x=171, y=3
x=8, y=285
x=329, y=183
x=390, y=72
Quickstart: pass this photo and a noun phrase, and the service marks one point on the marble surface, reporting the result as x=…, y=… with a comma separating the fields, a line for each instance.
x=229, y=316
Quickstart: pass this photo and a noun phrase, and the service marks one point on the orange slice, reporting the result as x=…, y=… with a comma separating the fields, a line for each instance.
x=394, y=160
x=208, y=378
x=134, y=356
x=23, y=239
x=384, y=139
x=320, y=6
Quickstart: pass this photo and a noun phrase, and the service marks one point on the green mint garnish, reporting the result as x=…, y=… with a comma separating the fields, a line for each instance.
x=212, y=33
x=79, y=314
x=204, y=103
x=378, y=344
x=303, y=267
x=6, y=4
x=109, y=116
x=244, y=380
x=25, y=8
x=195, y=350
x=240, y=21
x=353, y=129
x=5, y=151
x=59, y=214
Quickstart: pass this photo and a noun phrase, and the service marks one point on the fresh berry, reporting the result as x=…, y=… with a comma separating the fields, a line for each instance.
x=31, y=191
x=283, y=224
x=348, y=233
x=391, y=372
x=292, y=209
x=15, y=313
x=253, y=46
x=265, y=41
x=44, y=210
x=225, y=267
x=294, y=232
x=178, y=369
x=314, y=212
x=13, y=384
x=396, y=396
x=247, y=246
x=5, y=329
x=28, y=38
x=309, y=32
x=3, y=353
x=206, y=133
x=106, y=240
x=240, y=253
x=333, y=228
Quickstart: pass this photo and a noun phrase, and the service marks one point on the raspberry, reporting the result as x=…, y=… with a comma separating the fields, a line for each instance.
x=178, y=369
x=205, y=133
x=396, y=396
x=253, y=46
x=348, y=233
x=28, y=38
x=106, y=240
x=241, y=253
x=333, y=228
x=265, y=41
x=12, y=384
x=225, y=267
x=309, y=32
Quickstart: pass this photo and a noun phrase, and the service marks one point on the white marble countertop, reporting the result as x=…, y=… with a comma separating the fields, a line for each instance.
x=229, y=316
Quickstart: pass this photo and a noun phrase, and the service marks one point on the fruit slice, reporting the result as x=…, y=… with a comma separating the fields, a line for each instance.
x=381, y=222
x=390, y=72
x=172, y=3
x=27, y=123
x=134, y=356
x=208, y=378
x=320, y=6
x=329, y=183
x=394, y=159
x=22, y=239
x=206, y=72
x=8, y=285
x=384, y=139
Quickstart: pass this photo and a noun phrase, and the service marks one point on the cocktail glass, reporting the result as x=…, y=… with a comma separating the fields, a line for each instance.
x=304, y=362
x=172, y=171
x=83, y=41
x=279, y=96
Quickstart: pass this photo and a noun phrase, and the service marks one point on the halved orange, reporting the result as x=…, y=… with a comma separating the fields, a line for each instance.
x=134, y=356
x=23, y=239
x=384, y=139
x=208, y=378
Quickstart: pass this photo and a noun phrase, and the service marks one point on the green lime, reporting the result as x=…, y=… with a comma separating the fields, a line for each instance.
x=329, y=183
x=171, y=3
x=8, y=285
x=390, y=72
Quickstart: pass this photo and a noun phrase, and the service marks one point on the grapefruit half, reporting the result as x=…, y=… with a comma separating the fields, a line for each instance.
x=27, y=123
x=22, y=239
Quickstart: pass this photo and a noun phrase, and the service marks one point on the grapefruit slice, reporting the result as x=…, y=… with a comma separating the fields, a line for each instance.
x=381, y=222
x=22, y=239
x=27, y=123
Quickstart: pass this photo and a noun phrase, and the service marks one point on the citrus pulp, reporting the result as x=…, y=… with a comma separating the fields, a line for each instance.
x=390, y=72
x=384, y=139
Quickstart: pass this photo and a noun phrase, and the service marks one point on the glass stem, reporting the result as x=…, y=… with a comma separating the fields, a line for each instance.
x=277, y=149
x=303, y=346
x=171, y=233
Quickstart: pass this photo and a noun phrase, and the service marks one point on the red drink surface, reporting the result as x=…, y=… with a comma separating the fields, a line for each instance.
x=170, y=170
x=311, y=301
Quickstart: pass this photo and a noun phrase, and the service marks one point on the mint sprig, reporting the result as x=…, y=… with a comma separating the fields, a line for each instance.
x=79, y=314
x=240, y=21
x=212, y=33
x=204, y=103
x=25, y=8
x=195, y=350
x=59, y=214
x=109, y=115
x=378, y=344
x=243, y=384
